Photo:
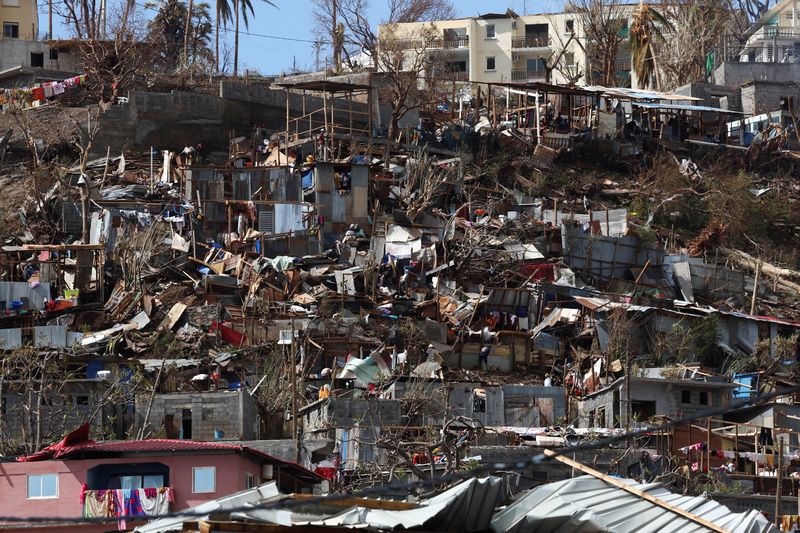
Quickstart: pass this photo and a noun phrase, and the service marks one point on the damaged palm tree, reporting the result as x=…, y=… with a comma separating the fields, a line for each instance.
x=647, y=33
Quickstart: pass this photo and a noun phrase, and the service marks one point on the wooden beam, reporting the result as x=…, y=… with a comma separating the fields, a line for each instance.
x=228, y=526
x=636, y=492
x=368, y=503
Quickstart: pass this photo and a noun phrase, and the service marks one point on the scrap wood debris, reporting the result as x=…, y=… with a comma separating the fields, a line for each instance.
x=501, y=298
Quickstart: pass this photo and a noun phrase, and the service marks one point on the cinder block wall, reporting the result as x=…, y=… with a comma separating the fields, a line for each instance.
x=233, y=413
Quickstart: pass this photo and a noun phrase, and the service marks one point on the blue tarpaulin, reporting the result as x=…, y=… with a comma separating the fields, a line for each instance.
x=747, y=386
x=307, y=180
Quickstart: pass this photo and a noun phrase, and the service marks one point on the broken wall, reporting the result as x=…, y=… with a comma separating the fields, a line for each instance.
x=759, y=97
x=201, y=414
x=602, y=257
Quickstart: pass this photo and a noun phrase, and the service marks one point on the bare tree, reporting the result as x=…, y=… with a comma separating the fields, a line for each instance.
x=358, y=34
x=43, y=398
x=425, y=182
x=751, y=10
x=406, y=65
x=113, y=64
x=561, y=58
x=697, y=28
x=602, y=22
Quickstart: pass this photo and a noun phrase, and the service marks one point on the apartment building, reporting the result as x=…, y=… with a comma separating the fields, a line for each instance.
x=775, y=38
x=20, y=19
x=505, y=47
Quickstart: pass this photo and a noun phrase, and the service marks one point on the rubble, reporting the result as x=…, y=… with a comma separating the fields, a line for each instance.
x=488, y=283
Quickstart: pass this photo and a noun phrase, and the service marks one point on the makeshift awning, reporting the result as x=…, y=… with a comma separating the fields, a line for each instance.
x=686, y=107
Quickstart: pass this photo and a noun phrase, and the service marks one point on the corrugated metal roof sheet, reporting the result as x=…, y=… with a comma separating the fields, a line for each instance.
x=638, y=94
x=589, y=504
x=467, y=507
x=252, y=496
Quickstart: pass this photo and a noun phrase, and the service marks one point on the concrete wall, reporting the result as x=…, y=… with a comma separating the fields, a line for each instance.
x=59, y=414
x=667, y=395
x=711, y=94
x=735, y=74
x=233, y=413
x=17, y=52
x=170, y=121
x=764, y=97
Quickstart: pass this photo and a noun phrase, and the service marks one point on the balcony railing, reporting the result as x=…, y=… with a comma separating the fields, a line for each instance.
x=541, y=40
x=525, y=74
x=461, y=41
x=622, y=66
x=776, y=32
x=116, y=503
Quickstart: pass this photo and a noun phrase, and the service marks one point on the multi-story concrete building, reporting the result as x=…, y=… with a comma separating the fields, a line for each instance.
x=769, y=51
x=775, y=38
x=507, y=47
x=20, y=19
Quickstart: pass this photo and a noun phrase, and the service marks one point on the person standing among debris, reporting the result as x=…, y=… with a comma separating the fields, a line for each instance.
x=483, y=358
x=487, y=337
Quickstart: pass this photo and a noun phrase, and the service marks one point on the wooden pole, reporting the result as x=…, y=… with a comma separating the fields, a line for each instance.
x=325, y=115
x=471, y=318
x=755, y=288
x=187, y=32
x=779, y=485
x=708, y=443
x=736, y=448
x=286, y=138
x=293, y=370
x=618, y=483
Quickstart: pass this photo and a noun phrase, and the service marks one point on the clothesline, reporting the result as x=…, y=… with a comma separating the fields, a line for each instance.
x=762, y=458
x=30, y=96
x=120, y=503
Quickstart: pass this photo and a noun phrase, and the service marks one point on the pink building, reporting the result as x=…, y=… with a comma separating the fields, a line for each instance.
x=55, y=481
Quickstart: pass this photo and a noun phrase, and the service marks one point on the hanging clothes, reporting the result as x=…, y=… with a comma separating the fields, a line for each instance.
x=133, y=504
x=155, y=501
x=99, y=503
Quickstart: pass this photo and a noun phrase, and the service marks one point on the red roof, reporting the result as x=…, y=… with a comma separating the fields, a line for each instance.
x=78, y=442
x=150, y=445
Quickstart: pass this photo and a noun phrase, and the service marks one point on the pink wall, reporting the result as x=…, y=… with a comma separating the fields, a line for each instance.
x=231, y=470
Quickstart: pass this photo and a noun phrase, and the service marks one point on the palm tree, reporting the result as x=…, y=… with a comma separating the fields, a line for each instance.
x=647, y=27
x=168, y=27
x=199, y=37
x=247, y=5
x=224, y=15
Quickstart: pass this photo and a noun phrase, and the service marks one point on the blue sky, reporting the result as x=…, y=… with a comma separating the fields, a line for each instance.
x=293, y=19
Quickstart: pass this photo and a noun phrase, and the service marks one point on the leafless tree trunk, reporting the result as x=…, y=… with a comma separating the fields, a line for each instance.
x=236, y=39
x=602, y=23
